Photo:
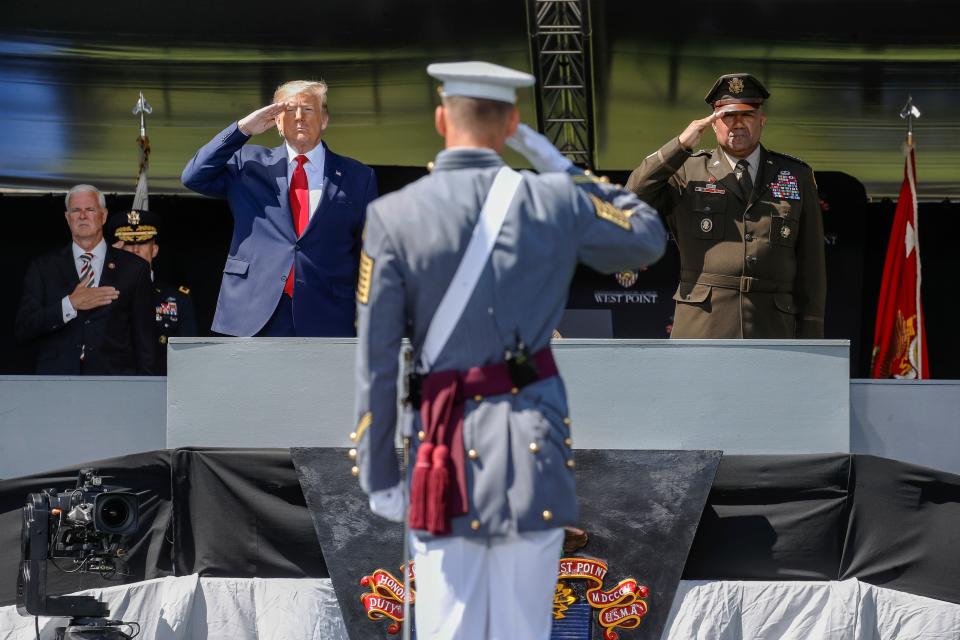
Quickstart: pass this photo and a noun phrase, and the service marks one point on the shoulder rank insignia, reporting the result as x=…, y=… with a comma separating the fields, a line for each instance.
x=787, y=156
x=608, y=212
x=365, y=279
x=184, y=290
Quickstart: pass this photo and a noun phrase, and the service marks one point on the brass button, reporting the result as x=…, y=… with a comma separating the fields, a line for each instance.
x=355, y=471
x=567, y=421
x=534, y=447
x=472, y=454
x=353, y=436
x=568, y=442
x=422, y=435
x=477, y=398
x=571, y=464
x=353, y=454
x=547, y=515
x=474, y=524
x=514, y=391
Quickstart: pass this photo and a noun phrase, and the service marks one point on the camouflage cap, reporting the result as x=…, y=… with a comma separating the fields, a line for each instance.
x=736, y=88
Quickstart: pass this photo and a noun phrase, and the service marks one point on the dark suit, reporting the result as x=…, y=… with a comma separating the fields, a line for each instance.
x=326, y=257
x=118, y=337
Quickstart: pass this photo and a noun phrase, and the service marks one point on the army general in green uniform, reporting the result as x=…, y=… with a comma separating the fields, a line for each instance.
x=746, y=220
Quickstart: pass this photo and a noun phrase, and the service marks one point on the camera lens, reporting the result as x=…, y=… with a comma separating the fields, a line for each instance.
x=114, y=513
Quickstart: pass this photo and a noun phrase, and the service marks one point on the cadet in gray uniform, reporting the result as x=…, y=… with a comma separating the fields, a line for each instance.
x=746, y=220
x=486, y=567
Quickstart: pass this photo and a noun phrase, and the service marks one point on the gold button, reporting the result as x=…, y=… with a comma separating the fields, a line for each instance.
x=568, y=442
x=571, y=464
x=547, y=515
x=472, y=454
x=477, y=398
x=567, y=421
x=474, y=524
x=353, y=454
x=534, y=447
x=355, y=471
x=353, y=436
x=514, y=391
x=422, y=435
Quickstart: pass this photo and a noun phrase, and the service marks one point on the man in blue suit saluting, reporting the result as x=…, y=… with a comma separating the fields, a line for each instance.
x=298, y=210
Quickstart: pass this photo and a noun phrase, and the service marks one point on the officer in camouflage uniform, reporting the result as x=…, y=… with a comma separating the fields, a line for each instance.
x=136, y=232
x=746, y=220
x=492, y=573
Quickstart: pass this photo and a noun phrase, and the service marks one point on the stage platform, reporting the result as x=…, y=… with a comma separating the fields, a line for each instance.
x=287, y=609
x=737, y=396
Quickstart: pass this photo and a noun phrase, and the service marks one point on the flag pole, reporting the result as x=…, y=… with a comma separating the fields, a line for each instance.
x=141, y=197
x=909, y=113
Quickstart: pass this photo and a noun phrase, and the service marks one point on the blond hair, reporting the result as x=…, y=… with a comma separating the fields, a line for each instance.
x=316, y=88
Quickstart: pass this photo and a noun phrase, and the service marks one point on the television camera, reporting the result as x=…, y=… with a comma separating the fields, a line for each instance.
x=83, y=530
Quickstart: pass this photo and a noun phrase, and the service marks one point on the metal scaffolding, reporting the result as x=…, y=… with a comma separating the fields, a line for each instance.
x=560, y=50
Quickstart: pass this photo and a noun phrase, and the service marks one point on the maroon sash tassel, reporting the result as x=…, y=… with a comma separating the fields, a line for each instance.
x=438, y=488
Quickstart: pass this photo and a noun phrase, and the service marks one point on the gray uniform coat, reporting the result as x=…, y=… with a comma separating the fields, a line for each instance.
x=752, y=265
x=519, y=471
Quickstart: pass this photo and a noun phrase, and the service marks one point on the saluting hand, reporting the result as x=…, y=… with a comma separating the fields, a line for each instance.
x=261, y=119
x=85, y=297
x=690, y=137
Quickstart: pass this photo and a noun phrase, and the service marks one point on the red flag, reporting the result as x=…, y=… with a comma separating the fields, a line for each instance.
x=899, y=341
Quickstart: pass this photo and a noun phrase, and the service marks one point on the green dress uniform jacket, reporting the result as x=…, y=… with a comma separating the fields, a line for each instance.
x=752, y=265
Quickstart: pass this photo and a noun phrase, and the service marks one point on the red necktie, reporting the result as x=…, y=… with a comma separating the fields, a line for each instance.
x=300, y=207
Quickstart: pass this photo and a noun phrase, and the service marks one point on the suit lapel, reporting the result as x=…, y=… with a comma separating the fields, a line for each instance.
x=68, y=269
x=765, y=175
x=332, y=179
x=719, y=168
x=278, y=171
x=108, y=278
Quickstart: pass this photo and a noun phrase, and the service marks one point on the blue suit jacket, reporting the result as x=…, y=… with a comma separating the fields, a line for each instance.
x=253, y=179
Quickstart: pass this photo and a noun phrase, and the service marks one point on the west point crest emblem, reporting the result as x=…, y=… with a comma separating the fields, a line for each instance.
x=626, y=279
x=133, y=217
x=735, y=85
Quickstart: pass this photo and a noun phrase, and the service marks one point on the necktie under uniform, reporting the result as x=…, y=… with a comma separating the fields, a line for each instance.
x=299, y=207
x=743, y=176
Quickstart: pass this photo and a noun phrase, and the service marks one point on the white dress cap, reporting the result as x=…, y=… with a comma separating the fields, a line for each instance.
x=480, y=80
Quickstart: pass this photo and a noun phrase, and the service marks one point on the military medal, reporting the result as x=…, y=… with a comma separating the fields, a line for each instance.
x=785, y=187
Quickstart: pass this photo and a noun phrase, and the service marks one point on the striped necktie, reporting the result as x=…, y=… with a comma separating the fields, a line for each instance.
x=86, y=267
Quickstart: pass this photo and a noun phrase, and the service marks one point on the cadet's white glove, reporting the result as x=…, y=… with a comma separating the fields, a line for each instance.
x=538, y=150
x=388, y=503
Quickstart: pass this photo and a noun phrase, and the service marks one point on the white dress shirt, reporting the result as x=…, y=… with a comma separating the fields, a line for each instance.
x=314, y=169
x=99, y=255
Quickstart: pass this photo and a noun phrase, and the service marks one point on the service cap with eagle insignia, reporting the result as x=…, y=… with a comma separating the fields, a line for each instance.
x=736, y=88
x=132, y=227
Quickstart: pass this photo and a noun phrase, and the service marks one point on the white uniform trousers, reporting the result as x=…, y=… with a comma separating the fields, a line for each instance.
x=486, y=588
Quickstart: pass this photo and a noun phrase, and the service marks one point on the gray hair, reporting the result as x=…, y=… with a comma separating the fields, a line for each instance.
x=85, y=188
x=316, y=88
